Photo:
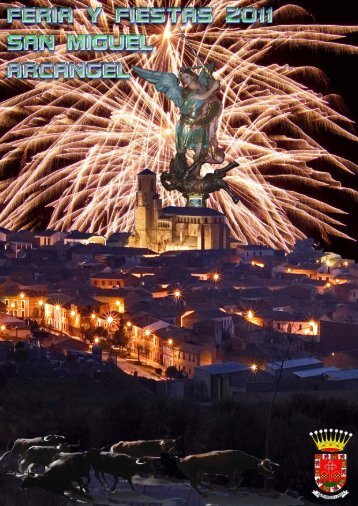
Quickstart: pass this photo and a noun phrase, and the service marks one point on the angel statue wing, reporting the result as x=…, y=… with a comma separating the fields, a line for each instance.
x=166, y=82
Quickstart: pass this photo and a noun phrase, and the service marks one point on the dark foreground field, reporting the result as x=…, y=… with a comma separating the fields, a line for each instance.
x=97, y=414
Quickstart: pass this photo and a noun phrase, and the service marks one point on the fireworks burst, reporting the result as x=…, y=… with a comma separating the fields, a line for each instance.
x=75, y=147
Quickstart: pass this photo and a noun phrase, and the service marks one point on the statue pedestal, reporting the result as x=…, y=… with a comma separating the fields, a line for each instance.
x=196, y=199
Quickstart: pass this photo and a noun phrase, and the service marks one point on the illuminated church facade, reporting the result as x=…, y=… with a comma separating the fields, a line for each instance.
x=174, y=228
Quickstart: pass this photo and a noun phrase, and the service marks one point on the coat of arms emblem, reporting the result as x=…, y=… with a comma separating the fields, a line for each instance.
x=330, y=467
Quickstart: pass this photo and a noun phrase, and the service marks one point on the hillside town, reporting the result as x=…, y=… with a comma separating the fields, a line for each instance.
x=224, y=321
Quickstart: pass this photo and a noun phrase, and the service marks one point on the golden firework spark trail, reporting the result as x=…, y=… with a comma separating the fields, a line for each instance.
x=79, y=145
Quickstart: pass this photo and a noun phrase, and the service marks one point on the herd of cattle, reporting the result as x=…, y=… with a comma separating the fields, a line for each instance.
x=65, y=470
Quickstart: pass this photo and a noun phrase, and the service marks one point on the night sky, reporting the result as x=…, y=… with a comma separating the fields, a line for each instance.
x=341, y=71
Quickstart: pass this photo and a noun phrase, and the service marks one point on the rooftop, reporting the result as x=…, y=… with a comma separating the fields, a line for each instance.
x=345, y=374
x=253, y=247
x=223, y=368
x=315, y=372
x=298, y=362
x=190, y=211
x=209, y=314
x=153, y=327
x=75, y=234
x=146, y=172
x=174, y=332
x=107, y=275
x=45, y=233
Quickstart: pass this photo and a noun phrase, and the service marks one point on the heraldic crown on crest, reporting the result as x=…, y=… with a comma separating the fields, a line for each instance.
x=330, y=440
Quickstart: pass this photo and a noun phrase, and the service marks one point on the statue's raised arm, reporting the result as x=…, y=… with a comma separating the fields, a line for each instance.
x=165, y=82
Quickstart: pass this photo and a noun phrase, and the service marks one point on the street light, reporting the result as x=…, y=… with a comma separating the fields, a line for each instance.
x=254, y=368
x=93, y=316
x=216, y=277
x=170, y=342
x=129, y=324
x=40, y=302
x=2, y=328
x=57, y=307
x=177, y=294
x=110, y=319
x=250, y=314
x=22, y=295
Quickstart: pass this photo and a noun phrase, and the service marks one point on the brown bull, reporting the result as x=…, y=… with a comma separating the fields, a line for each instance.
x=231, y=463
x=143, y=448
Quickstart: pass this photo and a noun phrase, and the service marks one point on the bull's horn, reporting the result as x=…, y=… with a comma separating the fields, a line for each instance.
x=23, y=476
x=274, y=463
x=139, y=462
x=47, y=438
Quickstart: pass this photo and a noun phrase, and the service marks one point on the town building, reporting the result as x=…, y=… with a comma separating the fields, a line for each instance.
x=76, y=237
x=174, y=228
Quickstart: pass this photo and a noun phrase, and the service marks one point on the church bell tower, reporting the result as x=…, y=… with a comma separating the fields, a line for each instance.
x=146, y=213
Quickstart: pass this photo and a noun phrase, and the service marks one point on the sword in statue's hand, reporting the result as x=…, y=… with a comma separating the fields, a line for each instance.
x=194, y=53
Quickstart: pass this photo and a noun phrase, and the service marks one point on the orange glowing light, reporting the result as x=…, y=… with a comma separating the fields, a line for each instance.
x=313, y=327
x=257, y=264
x=250, y=314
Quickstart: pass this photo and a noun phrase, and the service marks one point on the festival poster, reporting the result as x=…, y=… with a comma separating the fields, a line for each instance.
x=178, y=276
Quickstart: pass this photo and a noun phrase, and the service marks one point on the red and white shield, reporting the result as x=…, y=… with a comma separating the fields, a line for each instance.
x=330, y=471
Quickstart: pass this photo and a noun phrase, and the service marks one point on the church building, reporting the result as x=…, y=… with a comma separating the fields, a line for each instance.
x=174, y=228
